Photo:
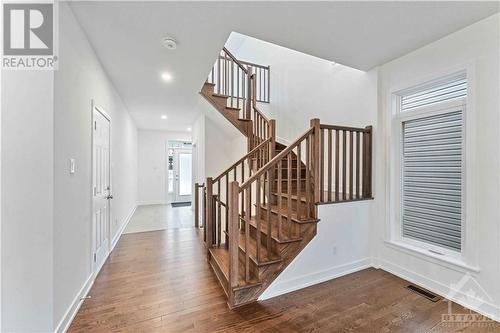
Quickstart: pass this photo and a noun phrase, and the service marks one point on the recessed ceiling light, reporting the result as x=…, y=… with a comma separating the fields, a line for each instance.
x=189, y=129
x=163, y=116
x=166, y=76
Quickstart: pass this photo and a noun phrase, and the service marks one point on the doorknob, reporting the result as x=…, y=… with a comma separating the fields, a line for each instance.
x=109, y=197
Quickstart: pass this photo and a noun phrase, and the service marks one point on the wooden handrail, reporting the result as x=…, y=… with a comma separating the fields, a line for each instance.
x=275, y=160
x=344, y=128
x=235, y=60
x=245, y=157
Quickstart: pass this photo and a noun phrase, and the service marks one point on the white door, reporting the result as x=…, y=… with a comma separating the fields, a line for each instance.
x=101, y=189
x=183, y=175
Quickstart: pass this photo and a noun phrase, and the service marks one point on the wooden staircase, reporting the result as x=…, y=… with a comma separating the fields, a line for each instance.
x=261, y=212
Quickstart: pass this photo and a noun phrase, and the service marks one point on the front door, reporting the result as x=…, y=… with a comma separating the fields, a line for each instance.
x=101, y=188
x=183, y=175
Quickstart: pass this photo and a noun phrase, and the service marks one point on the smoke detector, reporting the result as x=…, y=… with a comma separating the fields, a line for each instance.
x=169, y=43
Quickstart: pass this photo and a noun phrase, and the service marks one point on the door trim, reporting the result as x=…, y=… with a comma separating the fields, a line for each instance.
x=95, y=270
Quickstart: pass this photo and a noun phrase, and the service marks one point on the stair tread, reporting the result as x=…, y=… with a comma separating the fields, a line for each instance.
x=274, y=231
x=284, y=212
x=221, y=257
x=220, y=95
x=265, y=259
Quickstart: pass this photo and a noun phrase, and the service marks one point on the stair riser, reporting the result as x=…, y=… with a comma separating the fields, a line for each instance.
x=284, y=174
x=284, y=217
x=254, y=268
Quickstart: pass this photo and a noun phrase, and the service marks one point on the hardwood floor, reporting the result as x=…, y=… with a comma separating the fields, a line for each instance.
x=160, y=282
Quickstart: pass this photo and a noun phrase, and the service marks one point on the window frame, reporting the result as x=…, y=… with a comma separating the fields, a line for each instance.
x=394, y=234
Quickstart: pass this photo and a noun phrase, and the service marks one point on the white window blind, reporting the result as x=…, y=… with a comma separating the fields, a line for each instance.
x=432, y=179
x=452, y=89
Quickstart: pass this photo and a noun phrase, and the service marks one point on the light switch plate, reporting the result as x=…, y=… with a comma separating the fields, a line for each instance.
x=71, y=165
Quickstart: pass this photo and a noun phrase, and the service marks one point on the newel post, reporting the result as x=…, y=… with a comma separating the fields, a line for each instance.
x=369, y=162
x=196, y=205
x=209, y=215
x=233, y=234
x=315, y=123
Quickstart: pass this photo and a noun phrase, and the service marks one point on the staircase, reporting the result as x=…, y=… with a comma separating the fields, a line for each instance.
x=261, y=212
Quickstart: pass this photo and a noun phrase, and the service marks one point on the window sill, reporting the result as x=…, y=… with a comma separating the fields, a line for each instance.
x=443, y=260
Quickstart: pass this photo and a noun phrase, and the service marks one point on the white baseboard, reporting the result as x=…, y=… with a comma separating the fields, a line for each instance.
x=77, y=301
x=75, y=306
x=152, y=202
x=122, y=228
x=306, y=280
x=480, y=306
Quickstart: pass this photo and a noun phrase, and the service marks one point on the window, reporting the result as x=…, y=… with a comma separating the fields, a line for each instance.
x=431, y=121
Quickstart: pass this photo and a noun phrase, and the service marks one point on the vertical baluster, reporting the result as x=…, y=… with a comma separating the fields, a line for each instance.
x=344, y=156
x=209, y=226
x=330, y=157
x=227, y=203
x=242, y=181
x=232, y=82
x=308, y=177
x=204, y=218
x=268, y=216
x=337, y=164
x=237, y=87
x=289, y=193
x=316, y=160
x=351, y=159
x=368, y=161
x=233, y=234
x=322, y=166
x=279, y=170
x=219, y=211
x=196, y=205
x=299, y=182
x=268, y=84
x=248, y=213
x=358, y=167
x=218, y=75
x=258, y=216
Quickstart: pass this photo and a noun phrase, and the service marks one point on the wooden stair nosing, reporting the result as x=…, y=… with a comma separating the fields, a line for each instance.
x=223, y=265
x=263, y=230
x=252, y=257
x=293, y=217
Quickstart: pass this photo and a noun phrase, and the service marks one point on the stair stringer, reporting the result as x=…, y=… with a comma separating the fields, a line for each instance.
x=219, y=102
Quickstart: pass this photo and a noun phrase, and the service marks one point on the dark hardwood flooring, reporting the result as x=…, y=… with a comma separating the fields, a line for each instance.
x=160, y=282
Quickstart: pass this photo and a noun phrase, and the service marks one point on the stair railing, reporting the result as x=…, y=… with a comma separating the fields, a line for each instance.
x=217, y=190
x=293, y=169
x=346, y=164
x=245, y=84
x=233, y=79
x=298, y=186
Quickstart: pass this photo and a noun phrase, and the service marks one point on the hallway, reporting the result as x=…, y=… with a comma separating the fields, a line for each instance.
x=160, y=282
x=159, y=217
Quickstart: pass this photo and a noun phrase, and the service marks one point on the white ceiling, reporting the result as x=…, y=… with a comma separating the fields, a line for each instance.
x=126, y=37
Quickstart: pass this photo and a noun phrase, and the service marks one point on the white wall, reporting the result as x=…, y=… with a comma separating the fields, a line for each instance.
x=305, y=87
x=79, y=80
x=153, y=164
x=218, y=143
x=27, y=201
x=476, y=48
x=341, y=246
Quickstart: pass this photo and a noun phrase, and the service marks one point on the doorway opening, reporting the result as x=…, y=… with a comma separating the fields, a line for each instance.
x=179, y=173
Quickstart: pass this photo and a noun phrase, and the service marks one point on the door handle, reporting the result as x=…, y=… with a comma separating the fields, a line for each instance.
x=109, y=197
